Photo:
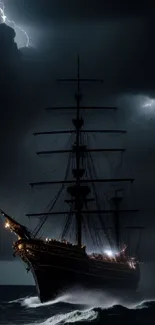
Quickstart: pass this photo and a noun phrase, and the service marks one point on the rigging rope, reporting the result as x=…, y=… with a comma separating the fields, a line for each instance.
x=67, y=224
x=96, y=197
x=56, y=197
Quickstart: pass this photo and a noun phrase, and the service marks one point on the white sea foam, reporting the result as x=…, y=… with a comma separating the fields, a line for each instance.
x=34, y=302
x=79, y=297
x=72, y=317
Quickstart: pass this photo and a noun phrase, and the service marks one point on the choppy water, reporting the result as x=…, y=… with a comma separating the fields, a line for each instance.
x=20, y=305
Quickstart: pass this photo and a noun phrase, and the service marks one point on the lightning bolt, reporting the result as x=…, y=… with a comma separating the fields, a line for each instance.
x=4, y=19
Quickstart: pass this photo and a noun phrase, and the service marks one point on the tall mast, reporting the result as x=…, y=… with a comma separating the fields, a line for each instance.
x=79, y=188
x=77, y=191
x=78, y=124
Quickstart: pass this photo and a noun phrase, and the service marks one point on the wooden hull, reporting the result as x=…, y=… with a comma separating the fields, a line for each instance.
x=57, y=268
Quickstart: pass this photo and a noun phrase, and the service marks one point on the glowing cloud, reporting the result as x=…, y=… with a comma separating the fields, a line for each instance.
x=148, y=107
x=5, y=20
x=150, y=103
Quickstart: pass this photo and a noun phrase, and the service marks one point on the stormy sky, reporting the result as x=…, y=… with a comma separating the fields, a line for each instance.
x=115, y=41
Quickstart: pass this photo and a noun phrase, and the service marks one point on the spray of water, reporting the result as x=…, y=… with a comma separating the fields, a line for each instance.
x=86, y=303
x=88, y=298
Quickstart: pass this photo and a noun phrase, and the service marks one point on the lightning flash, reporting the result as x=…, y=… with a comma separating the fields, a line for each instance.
x=5, y=20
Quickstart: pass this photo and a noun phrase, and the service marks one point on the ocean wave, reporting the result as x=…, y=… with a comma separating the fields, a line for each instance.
x=71, y=317
x=91, y=299
x=80, y=305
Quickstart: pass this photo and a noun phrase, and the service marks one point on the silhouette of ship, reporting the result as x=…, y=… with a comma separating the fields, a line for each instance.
x=57, y=265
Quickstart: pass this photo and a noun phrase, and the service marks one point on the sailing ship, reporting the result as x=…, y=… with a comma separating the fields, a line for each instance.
x=57, y=265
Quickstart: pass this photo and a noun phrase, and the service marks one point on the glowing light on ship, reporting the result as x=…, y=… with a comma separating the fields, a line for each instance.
x=7, y=225
x=109, y=253
x=20, y=246
x=132, y=263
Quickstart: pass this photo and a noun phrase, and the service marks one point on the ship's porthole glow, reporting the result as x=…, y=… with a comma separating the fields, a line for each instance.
x=22, y=38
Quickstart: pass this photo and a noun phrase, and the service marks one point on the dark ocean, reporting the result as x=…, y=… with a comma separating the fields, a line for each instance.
x=20, y=305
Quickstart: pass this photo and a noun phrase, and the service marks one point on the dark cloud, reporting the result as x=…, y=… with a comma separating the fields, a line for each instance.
x=79, y=10
x=9, y=51
x=10, y=58
x=122, y=34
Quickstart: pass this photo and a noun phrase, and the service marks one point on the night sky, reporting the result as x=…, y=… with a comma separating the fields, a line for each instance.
x=115, y=41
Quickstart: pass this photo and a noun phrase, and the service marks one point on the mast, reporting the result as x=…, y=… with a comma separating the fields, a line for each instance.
x=78, y=124
x=78, y=191
x=78, y=187
x=116, y=201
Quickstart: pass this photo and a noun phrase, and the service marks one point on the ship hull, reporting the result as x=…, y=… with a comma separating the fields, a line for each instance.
x=56, y=268
x=52, y=281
